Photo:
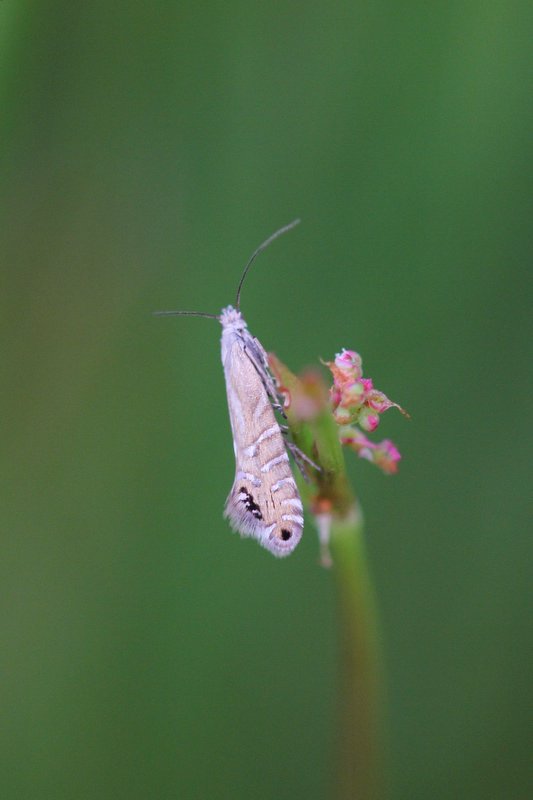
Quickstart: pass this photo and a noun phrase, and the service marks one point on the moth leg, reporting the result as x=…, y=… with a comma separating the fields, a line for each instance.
x=261, y=352
x=300, y=464
x=276, y=406
x=270, y=387
x=301, y=460
x=295, y=450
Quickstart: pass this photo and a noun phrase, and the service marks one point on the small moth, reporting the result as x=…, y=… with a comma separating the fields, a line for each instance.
x=264, y=502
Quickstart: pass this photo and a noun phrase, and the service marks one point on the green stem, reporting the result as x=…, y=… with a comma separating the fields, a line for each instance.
x=331, y=499
x=360, y=740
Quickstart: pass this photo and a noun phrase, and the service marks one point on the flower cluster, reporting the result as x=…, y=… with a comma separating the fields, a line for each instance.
x=354, y=401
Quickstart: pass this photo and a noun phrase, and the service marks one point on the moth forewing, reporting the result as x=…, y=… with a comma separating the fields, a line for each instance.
x=264, y=501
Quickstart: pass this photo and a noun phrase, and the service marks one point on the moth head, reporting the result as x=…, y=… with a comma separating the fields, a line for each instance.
x=232, y=318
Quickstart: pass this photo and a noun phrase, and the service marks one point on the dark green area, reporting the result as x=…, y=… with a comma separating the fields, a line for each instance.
x=146, y=149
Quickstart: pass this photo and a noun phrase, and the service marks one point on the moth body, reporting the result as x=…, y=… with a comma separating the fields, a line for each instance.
x=264, y=502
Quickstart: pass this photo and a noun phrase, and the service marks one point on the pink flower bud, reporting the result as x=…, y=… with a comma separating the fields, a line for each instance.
x=343, y=416
x=386, y=456
x=368, y=420
x=353, y=394
x=349, y=361
x=379, y=401
x=354, y=401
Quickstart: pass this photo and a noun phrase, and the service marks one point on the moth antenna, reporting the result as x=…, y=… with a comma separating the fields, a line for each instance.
x=262, y=247
x=184, y=314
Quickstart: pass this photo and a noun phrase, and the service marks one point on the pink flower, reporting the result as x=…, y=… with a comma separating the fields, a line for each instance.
x=346, y=368
x=353, y=394
x=380, y=402
x=368, y=421
x=354, y=401
x=384, y=455
x=350, y=361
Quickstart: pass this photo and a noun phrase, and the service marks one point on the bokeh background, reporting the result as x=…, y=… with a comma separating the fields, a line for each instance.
x=146, y=149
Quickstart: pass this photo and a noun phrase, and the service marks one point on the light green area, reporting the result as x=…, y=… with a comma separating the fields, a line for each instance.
x=145, y=151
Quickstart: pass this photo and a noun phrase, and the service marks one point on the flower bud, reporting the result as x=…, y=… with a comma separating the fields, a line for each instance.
x=368, y=420
x=386, y=456
x=353, y=394
x=349, y=361
x=343, y=416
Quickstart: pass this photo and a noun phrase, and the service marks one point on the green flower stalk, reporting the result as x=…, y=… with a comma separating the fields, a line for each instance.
x=321, y=421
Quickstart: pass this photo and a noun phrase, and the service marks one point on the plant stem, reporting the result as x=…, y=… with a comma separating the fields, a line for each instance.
x=332, y=501
x=360, y=734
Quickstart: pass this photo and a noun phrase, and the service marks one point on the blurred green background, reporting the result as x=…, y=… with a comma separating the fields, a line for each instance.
x=146, y=149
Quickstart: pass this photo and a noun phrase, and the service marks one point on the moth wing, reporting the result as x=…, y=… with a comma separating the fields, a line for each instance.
x=264, y=502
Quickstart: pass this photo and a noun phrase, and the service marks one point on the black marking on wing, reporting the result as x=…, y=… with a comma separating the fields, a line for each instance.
x=250, y=503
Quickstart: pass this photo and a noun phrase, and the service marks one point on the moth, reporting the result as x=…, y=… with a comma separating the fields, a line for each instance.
x=264, y=502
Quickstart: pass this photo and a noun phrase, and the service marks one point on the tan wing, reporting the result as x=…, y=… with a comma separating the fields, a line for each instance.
x=264, y=501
